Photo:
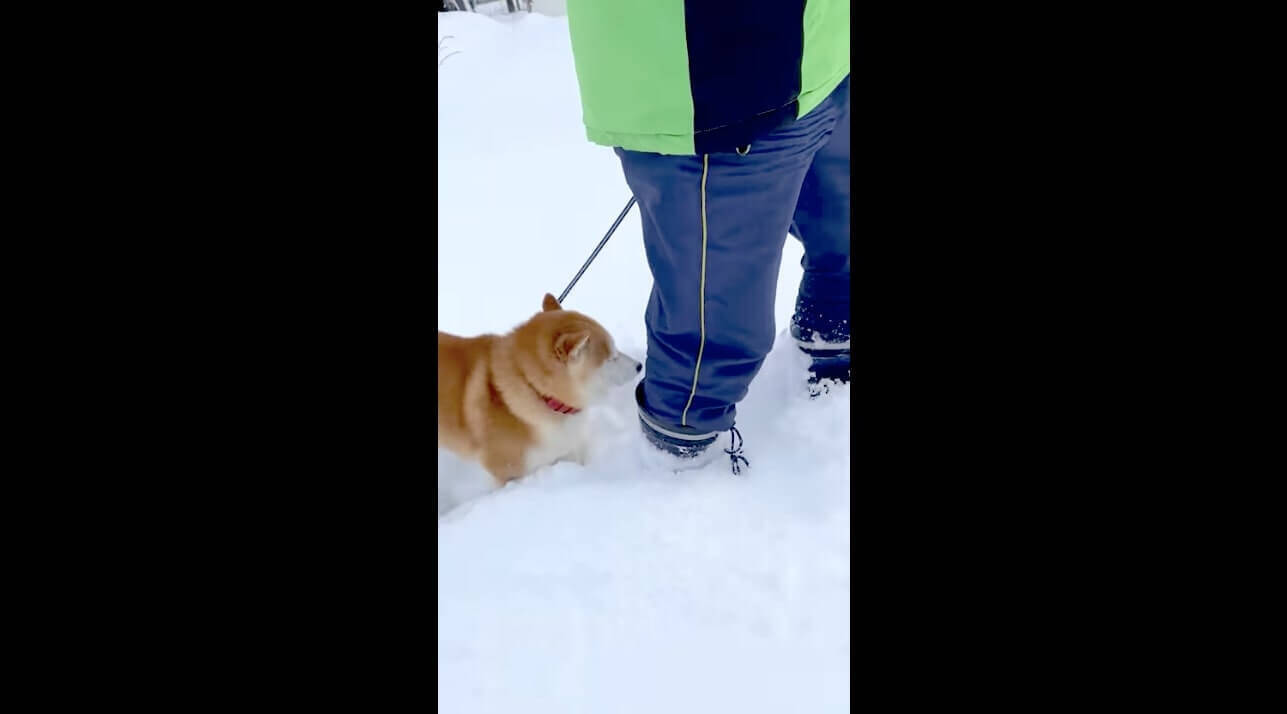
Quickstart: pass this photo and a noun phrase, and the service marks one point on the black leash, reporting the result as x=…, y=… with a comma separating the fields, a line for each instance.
x=598, y=248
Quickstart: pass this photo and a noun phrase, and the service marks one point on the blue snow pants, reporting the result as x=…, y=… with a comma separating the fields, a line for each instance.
x=714, y=227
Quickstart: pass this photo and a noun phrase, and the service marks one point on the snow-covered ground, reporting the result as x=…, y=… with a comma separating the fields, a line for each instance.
x=615, y=587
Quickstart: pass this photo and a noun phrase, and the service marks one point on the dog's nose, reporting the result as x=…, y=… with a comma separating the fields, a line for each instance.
x=638, y=367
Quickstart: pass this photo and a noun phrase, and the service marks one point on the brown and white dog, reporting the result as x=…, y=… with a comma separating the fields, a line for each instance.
x=513, y=402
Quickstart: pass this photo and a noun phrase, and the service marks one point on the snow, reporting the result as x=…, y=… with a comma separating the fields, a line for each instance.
x=617, y=587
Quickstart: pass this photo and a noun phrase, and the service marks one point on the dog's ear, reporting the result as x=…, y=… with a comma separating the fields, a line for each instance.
x=569, y=345
x=550, y=303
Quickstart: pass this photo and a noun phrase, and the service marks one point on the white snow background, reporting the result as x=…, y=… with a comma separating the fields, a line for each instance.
x=617, y=587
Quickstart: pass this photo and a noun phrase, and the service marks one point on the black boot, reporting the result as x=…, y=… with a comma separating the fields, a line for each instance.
x=827, y=348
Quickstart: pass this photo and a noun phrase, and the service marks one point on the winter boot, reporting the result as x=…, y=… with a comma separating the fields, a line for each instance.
x=826, y=342
x=681, y=448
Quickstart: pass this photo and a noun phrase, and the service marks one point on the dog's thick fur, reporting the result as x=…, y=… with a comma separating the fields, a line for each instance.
x=493, y=390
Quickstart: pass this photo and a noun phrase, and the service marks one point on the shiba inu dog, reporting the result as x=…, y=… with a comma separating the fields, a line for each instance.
x=513, y=402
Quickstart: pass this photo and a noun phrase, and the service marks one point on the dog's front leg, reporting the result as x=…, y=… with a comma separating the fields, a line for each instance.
x=580, y=451
x=581, y=445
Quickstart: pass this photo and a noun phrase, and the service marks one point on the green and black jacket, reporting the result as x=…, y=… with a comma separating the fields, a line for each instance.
x=703, y=76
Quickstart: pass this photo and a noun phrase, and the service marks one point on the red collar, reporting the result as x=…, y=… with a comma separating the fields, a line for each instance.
x=558, y=406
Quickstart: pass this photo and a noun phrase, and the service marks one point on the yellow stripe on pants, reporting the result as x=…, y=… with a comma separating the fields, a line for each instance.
x=683, y=420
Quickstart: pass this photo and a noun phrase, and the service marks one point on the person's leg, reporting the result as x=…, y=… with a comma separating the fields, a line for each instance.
x=714, y=227
x=821, y=221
